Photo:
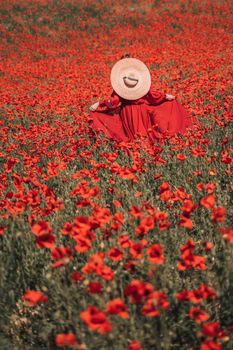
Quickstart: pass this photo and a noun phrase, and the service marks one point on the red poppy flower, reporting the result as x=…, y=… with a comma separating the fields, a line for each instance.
x=181, y=156
x=150, y=309
x=208, y=201
x=81, y=225
x=138, y=194
x=135, y=345
x=115, y=254
x=163, y=225
x=208, y=245
x=65, y=339
x=183, y=296
x=76, y=276
x=218, y=214
x=83, y=244
x=212, y=329
x=198, y=315
x=119, y=217
x=95, y=287
x=189, y=245
x=138, y=291
x=210, y=345
x=32, y=297
x=161, y=215
x=166, y=196
x=227, y=233
x=155, y=254
x=67, y=229
x=117, y=204
x=124, y=241
x=45, y=241
x=210, y=187
x=41, y=228
x=62, y=255
x=96, y=320
x=105, y=272
x=186, y=222
x=135, y=211
x=188, y=260
x=164, y=187
x=117, y=307
x=2, y=229
x=187, y=207
x=136, y=250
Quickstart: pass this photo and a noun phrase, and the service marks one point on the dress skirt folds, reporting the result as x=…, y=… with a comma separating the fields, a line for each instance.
x=151, y=117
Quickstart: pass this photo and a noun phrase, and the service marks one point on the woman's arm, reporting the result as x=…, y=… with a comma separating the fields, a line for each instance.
x=111, y=103
x=155, y=97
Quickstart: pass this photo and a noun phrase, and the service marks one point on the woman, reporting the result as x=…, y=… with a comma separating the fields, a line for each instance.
x=134, y=109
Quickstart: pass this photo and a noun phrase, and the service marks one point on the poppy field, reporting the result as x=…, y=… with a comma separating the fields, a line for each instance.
x=105, y=245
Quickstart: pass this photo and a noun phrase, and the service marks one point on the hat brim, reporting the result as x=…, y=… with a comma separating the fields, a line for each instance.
x=132, y=67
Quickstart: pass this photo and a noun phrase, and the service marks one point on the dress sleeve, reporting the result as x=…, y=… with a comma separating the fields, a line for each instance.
x=112, y=102
x=155, y=97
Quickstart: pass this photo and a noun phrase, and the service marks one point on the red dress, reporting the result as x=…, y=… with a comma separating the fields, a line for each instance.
x=151, y=116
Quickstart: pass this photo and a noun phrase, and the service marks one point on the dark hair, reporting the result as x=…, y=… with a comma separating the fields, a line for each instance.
x=127, y=55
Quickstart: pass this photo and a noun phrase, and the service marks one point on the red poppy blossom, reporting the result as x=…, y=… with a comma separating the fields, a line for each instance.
x=135, y=211
x=189, y=245
x=166, y=196
x=208, y=201
x=186, y=222
x=115, y=254
x=65, y=339
x=81, y=225
x=135, y=345
x=156, y=300
x=119, y=217
x=106, y=273
x=124, y=241
x=138, y=291
x=45, y=241
x=32, y=297
x=76, y=276
x=208, y=245
x=62, y=255
x=95, y=287
x=138, y=194
x=117, y=307
x=218, y=214
x=41, y=228
x=198, y=315
x=210, y=345
x=130, y=265
x=227, y=233
x=155, y=254
x=187, y=207
x=96, y=320
x=164, y=187
x=136, y=250
x=83, y=244
x=2, y=229
x=188, y=261
x=117, y=204
x=213, y=330
x=150, y=309
x=181, y=156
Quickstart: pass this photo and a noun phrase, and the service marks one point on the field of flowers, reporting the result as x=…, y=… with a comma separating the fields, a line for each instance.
x=103, y=245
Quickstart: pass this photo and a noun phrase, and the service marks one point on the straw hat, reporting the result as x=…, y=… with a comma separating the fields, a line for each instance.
x=130, y=78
